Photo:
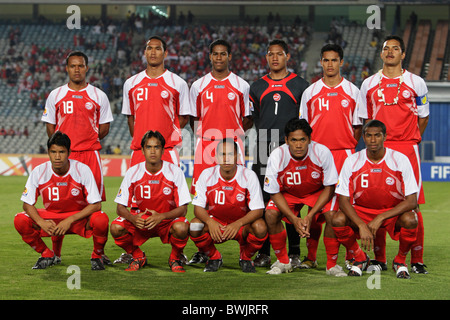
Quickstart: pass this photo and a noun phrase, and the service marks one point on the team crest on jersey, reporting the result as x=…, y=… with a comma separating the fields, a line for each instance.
x=89, y=105
x=240, y=197
x=406, y=94
x=167, y=191
x=231, y=96
x=390, y=181
x=345, y=103
x=75, y=192
x=164, y=94
x=276, y=97
x=315, y=175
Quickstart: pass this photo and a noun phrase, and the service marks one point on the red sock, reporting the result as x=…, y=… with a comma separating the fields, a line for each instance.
x=312, y=243
x=177, y=247
x=57, y=244
x=100, y=224
x=417, y=246
x=332, y=251
x=380, y=245
x=347, y=237
x=407, y=238
x=126, y=243
x=278, y=242
x=206, y=245
x=252, y=245
x=24, y=225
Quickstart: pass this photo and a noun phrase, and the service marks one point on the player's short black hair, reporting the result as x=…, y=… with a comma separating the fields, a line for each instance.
x=374, y=124
x=164, y=44
x=228, y=140
x=332, y=47
x=78, y=54
x=278, y=42
x=153, y=134
x=297, y=124
x=397, y=38
x=60, y=139
x=220, y=42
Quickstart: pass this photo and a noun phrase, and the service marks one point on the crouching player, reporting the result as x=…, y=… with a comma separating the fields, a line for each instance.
x=228, y=205
x=72, y=205
x=377, y=191
x=300, y=172
x=161, y=193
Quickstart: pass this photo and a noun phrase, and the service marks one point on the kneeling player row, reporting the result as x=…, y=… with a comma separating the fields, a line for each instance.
x=228, y=204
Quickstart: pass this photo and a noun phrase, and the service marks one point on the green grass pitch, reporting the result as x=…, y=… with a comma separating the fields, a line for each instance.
x=156, y=282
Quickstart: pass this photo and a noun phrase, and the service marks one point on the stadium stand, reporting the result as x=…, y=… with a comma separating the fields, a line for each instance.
x=422, y=35
x=436, y=62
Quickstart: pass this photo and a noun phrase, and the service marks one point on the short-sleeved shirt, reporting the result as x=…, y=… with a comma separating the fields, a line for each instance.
x=156, y=104
x=220, y=106
x=331, y=113
x=274, y=103
x=78, y=114
x=380, y=185
x=300, y=178
x=60, y=194
x=401, y=119
x=163, y=191
x=228, y=200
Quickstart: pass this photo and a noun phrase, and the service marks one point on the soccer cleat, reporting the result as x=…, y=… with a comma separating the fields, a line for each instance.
x=381, y=266
x=124, y=258
x=198, y=257
x=183, y=259
x=419, y=268
x=401, y=270
x=358, y=267
x=43, y=263
x=336, y=271
x=213, y=265
x=97, y=264
x=279, y=268
x=247, y=266
x=349, y=263
x=57, y=260
x=176, y=266
x=106, y=261
x=294, y=259
x=307, y=264
x=262, y=260
x=137, y=264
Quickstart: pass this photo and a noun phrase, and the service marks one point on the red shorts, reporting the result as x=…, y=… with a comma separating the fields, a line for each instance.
x=205, y=157
x=239, y=236
x=412, y=152
x=296, y=204
x=77, y=227
x=170, y=154
x=368, y=215
x=140, y=236
x=92, y=159
x=339, y=157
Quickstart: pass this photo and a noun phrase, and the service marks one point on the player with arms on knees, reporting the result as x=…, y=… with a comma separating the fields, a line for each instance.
x=377, y=191
x=399, y=99
x=83, y=112
x=228, y=205
x=300, y=172
x=329, y=106
x=72, y=205
x=275, y=99
x=160, y=191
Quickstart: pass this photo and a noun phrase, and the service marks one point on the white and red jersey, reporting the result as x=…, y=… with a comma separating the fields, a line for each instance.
x=300, y=178
x=221, y=105
x=401, y=119
x=228, y=200
x=156, y=104
x=78, y=114
x=163, y=191
x=61, y=194
x=331, y=113
x=380, y=185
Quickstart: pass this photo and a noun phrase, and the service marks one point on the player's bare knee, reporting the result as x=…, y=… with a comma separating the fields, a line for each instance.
x=409, y=220
x=259, y=228
x=272, y=217
x=117, y=230
x=180, y=230
x=339, y=219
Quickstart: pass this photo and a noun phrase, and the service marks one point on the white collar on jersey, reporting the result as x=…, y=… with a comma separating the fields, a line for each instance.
x=380, y=91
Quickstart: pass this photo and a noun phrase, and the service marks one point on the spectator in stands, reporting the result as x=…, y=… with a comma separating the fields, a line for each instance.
x=3, y=132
